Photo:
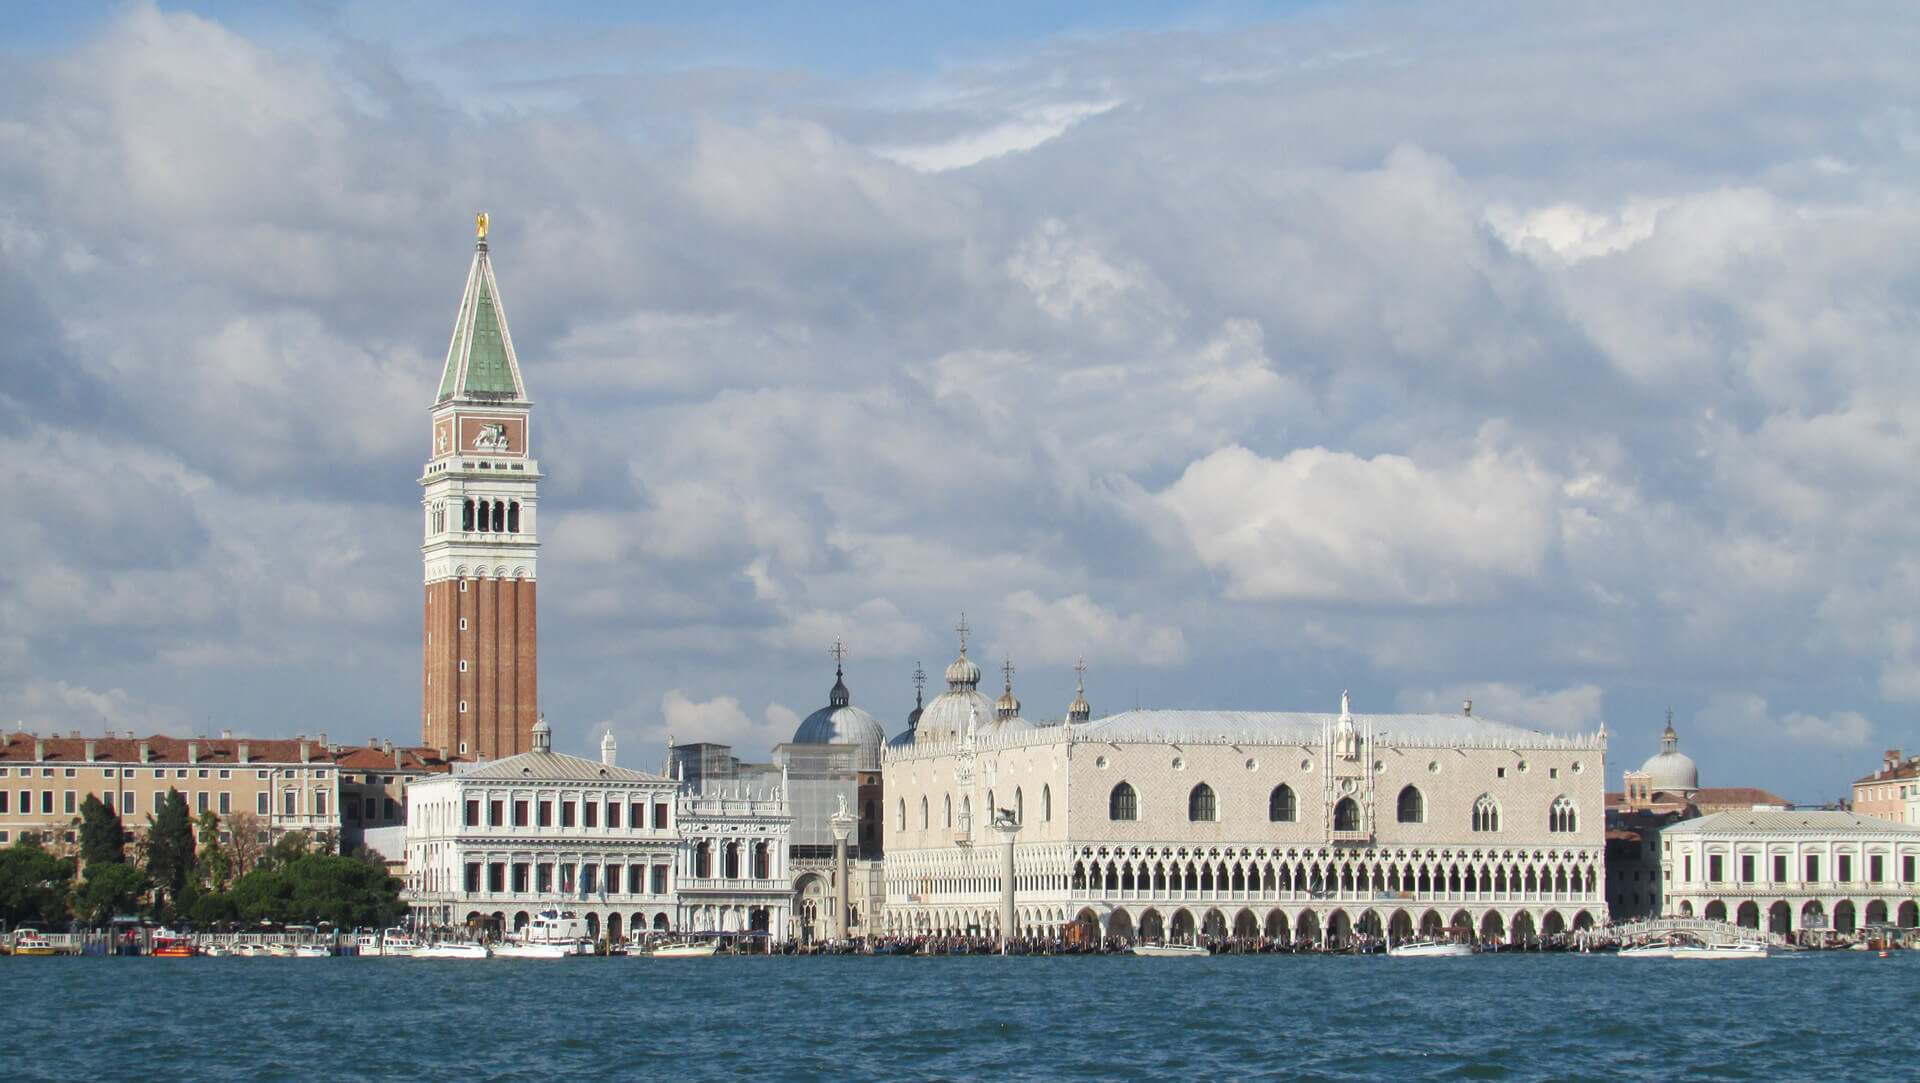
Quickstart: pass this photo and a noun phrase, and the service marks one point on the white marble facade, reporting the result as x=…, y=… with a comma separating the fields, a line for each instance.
x=1306, y=828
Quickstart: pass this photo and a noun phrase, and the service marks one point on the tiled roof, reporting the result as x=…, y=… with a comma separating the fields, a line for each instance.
x=1737, y=795
x=216, y=751
x=1909, y=769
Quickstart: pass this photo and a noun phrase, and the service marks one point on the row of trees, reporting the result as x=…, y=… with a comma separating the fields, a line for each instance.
x=185, y=869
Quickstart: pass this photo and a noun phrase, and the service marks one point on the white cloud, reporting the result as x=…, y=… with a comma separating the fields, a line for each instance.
x=1575, y=708
x=1746, y=717
x=1024, y=131
x=1060, y=631
x=1331, y=526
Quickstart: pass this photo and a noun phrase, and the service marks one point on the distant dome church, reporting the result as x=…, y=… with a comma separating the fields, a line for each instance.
x=1669, y=771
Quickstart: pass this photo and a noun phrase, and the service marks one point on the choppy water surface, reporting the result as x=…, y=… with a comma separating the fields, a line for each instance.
x=1491, y=1017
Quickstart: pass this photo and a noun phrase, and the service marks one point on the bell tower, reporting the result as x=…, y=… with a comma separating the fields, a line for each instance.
x=479, y=690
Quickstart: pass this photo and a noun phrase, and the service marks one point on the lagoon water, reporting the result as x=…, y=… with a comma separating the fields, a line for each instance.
x=1807, y=1016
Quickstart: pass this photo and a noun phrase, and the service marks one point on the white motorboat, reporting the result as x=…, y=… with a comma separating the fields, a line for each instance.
x=452, y=949
x=312, y=951
x=1743, y=950
x=1430, y=949
x=1171, y=951
x=395, y=942
x=247, y=949
x=552, y=934
x=683, y=949
x=280, y=949
x=1658, y=949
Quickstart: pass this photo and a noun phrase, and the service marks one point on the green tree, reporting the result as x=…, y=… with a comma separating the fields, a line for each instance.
x=169, y=847
x=343, y=892
x=103, y=839
x=215, y=863
x=111, y=887
x=289, y=848
x=34, y=884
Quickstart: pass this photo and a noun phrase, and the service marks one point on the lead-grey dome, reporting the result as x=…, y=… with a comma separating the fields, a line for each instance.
x=1671, y=769
x=841, y=723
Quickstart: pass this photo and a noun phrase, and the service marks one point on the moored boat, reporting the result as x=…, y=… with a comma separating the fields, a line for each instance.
x=1430, y=949
x=397, y=942
x=312, y=951
x=683, y=949
x=31, y=942
x=168, y=945
x=1657, y=949
x=552, y=934
x=452, y=949
x=1171, y=951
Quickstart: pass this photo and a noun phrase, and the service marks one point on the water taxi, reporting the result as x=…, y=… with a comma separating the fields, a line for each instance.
x=169, y=945
x=30, y=942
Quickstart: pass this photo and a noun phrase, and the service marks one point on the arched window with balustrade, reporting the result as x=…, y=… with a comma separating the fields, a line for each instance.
x=1346, y=815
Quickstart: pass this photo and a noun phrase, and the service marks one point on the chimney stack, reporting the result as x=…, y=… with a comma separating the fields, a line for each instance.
x=396, y=759
x=226, y=735
x=146, y=751
x=1893, y=759
x=323, y=739
x=1467, y=708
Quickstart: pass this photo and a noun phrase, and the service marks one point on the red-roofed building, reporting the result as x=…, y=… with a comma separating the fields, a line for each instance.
x=282, y=784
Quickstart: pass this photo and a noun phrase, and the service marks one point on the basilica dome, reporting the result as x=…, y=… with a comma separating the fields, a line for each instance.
x=841, y=723
x=946, y=719
x=1671, y=769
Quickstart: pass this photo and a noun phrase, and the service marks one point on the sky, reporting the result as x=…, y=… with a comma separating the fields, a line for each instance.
x=1556, y=357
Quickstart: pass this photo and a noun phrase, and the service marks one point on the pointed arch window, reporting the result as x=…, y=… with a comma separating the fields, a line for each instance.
x=1019, y=806
x=1123, y=803
x=1562, y=817
x=1046, y=804
x=1346, y=815
x=946, y=809
x=923, y=814
x=1486, y=814
x=1282, y=808
x=900, y=819
x=1412, y=807
x=1201, y=807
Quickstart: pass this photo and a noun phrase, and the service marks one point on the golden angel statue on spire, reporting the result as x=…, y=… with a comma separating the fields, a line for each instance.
x=480, y=225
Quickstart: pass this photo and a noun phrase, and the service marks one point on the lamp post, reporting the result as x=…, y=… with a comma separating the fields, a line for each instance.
x=842, y=823
x=1007, y=827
